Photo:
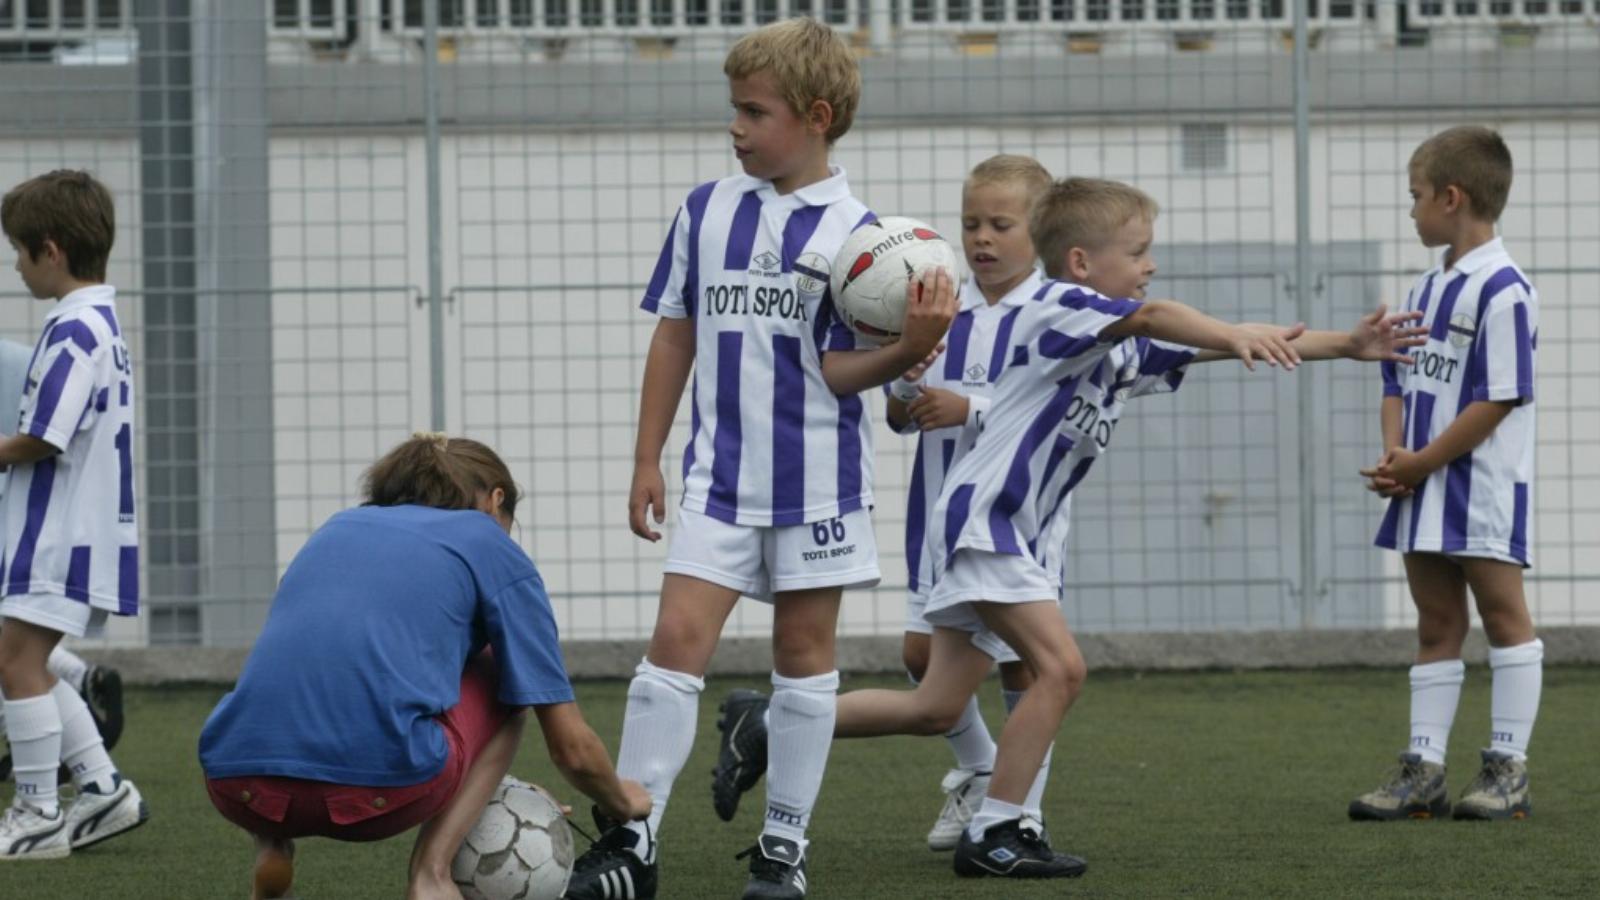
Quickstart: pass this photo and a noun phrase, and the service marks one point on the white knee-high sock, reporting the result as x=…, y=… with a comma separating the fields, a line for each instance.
x=34, y=729
x=81, y=747
x=1435, y=692
x=1033, y=804
x=657, y=735
x=67, y=666
x=970, y=740
x=799, y=734
x=1514, y=701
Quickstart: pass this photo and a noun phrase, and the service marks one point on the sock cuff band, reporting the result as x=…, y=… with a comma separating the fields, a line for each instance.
x=1521, y=655
x=35, y=717
x=826, y=683
x=682, y=682
x=1445, y=671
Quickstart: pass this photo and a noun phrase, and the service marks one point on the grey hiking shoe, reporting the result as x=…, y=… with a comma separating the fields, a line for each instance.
x=1414, y=791
x=1499, y=792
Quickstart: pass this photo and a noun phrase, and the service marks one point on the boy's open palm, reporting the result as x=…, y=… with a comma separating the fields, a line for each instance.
x=1382, y=338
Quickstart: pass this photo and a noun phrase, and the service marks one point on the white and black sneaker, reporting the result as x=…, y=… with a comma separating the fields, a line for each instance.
x=28, y=833
x=964, y=790
x=611, y=869
x=777, y=869
x=96, y=816
x=1014, y=849
x=742, y=750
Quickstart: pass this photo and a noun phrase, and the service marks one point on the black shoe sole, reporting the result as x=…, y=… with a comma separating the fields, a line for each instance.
x=1360, y=812
x=1520, y=812
x=973, y=870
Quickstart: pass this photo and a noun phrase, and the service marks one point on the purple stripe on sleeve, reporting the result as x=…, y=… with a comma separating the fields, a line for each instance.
x=696, y=204
x=1056, y=345
x=1044, y=290
x=788, y=432
x=1111, y=306
x=955, y=518
x=39, y=489
x=1457, y=502
x=916, y=518
x=955, y=346
x=1019, y=475
x=110, y=315
x=1524, y=352
x=663, y=271
x=77, y=586
x=797, y=232
x=850, y=475
x=1002, y=339
x=1157, y=360
x=127, y=580
x=1391, y=379
x=78, y=332
x=727, y=442
x=742, y=233
x=1519, y=521
x=50, y=389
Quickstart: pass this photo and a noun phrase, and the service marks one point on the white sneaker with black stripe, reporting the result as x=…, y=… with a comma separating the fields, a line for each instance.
x=614, y=867
x=94, y=816
x=777, y=869
x=964, y=790
x=27, y=833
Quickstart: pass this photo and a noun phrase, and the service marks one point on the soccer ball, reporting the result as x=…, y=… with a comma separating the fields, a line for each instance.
x=874, y=269
x=521, y=848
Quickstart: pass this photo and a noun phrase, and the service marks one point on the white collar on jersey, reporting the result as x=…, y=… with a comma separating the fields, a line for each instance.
x=1476, y=258
x=829, y=190
x=93, y=295
x=972, y=295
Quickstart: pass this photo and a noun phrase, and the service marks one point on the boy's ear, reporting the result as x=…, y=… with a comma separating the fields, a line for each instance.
x=1078, y=264
x=819, y=116
x=1454, y=198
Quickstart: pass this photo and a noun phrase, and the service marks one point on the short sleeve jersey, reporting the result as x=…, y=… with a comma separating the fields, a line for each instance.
x=69, y=521
x=1482, y=316
x=770, y=444
x=1054, y=408
x=366, y=642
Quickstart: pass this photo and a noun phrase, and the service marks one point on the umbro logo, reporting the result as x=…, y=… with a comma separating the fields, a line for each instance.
x=975, y=372
x=1001, y=855
x=768, y=260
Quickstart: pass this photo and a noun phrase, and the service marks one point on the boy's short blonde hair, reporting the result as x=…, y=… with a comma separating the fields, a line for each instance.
x=1472, y=158
x=809, y=61
x=1085, y=213
x=69, y=208
x=1011, y=170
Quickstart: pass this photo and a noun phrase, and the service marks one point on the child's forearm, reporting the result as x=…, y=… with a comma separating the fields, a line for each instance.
x=854, y=371
x=24, y=448
x=1471, y=428
x=1392, y=416
x=666, y=371
x=1171, y=321
x=1312, y=345
x=895, y=411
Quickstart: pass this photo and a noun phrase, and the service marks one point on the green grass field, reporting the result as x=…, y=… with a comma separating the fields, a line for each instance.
x=1214, y=784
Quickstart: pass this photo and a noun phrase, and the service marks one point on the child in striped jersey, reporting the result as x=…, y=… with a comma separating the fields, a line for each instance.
x=944, y=404
x=1458, y=469
x=1077, y=352
x=777, y=475
x=71, y=549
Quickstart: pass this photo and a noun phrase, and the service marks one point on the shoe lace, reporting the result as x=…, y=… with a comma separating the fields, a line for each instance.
x=956, y=803
x=763, y=867
x=1406, y=774
x=603, y=849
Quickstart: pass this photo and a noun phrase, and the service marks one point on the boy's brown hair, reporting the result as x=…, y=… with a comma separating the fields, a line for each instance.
x=1474, y=159
x=1011, y=170
x=68, y=208
x=432, y=469
x=809, y=61
x=1083, y=212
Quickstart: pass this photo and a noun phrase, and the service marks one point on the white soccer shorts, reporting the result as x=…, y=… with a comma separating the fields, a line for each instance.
x=759, y=561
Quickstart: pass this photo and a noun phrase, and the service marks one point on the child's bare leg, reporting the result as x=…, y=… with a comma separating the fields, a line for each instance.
x=1015, y=679
x=274, y=868
x=805, y=690
x=955, y=670
x=915, y=651
x=1440, y=593
x=1497, y=589
x=1039, y=634
x=441, y=836
x=689, y=623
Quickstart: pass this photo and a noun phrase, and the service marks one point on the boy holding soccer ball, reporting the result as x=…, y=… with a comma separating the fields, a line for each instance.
x=780, y=457
x=1074, y=356
x=1458, y=467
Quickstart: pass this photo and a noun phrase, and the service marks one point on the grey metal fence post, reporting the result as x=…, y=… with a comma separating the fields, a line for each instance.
x=1302, y=292
x=430, y=116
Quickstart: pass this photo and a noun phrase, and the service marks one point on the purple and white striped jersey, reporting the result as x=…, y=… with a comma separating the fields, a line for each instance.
x=1053, y=410
x=770, y=444
x=1483, y=321
x=973, y=358
x=69, y=518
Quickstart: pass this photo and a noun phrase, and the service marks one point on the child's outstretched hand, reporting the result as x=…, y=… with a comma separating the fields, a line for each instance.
x=930, y=307
x=1381, y=338
x=1266, y=342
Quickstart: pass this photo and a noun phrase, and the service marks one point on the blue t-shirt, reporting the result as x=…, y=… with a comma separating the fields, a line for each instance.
x=366, y=642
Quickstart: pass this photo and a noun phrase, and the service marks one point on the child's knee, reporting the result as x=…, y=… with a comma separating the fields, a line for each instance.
x=914, y=655
x=1061, y=672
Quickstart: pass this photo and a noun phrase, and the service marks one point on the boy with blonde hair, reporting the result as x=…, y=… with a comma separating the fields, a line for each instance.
x=780, y=451
x=1077, y=352
x=1458, y=430
x=72, y=547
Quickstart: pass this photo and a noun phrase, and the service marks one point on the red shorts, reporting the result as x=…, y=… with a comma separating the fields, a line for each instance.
x=295, y=807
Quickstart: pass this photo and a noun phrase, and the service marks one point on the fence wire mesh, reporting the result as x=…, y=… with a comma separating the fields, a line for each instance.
x=279, y=248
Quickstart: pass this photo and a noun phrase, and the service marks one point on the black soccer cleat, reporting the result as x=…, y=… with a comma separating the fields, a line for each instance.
x=610, y=869
x=742, y=753
x=1014, y=849
x=777, y=869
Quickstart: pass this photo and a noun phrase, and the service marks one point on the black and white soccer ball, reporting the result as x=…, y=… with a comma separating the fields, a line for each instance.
x=521, y=848
x=875, y=266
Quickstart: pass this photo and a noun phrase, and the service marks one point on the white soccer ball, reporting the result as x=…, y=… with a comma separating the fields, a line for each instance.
x=521, y=848
x=877, y=263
